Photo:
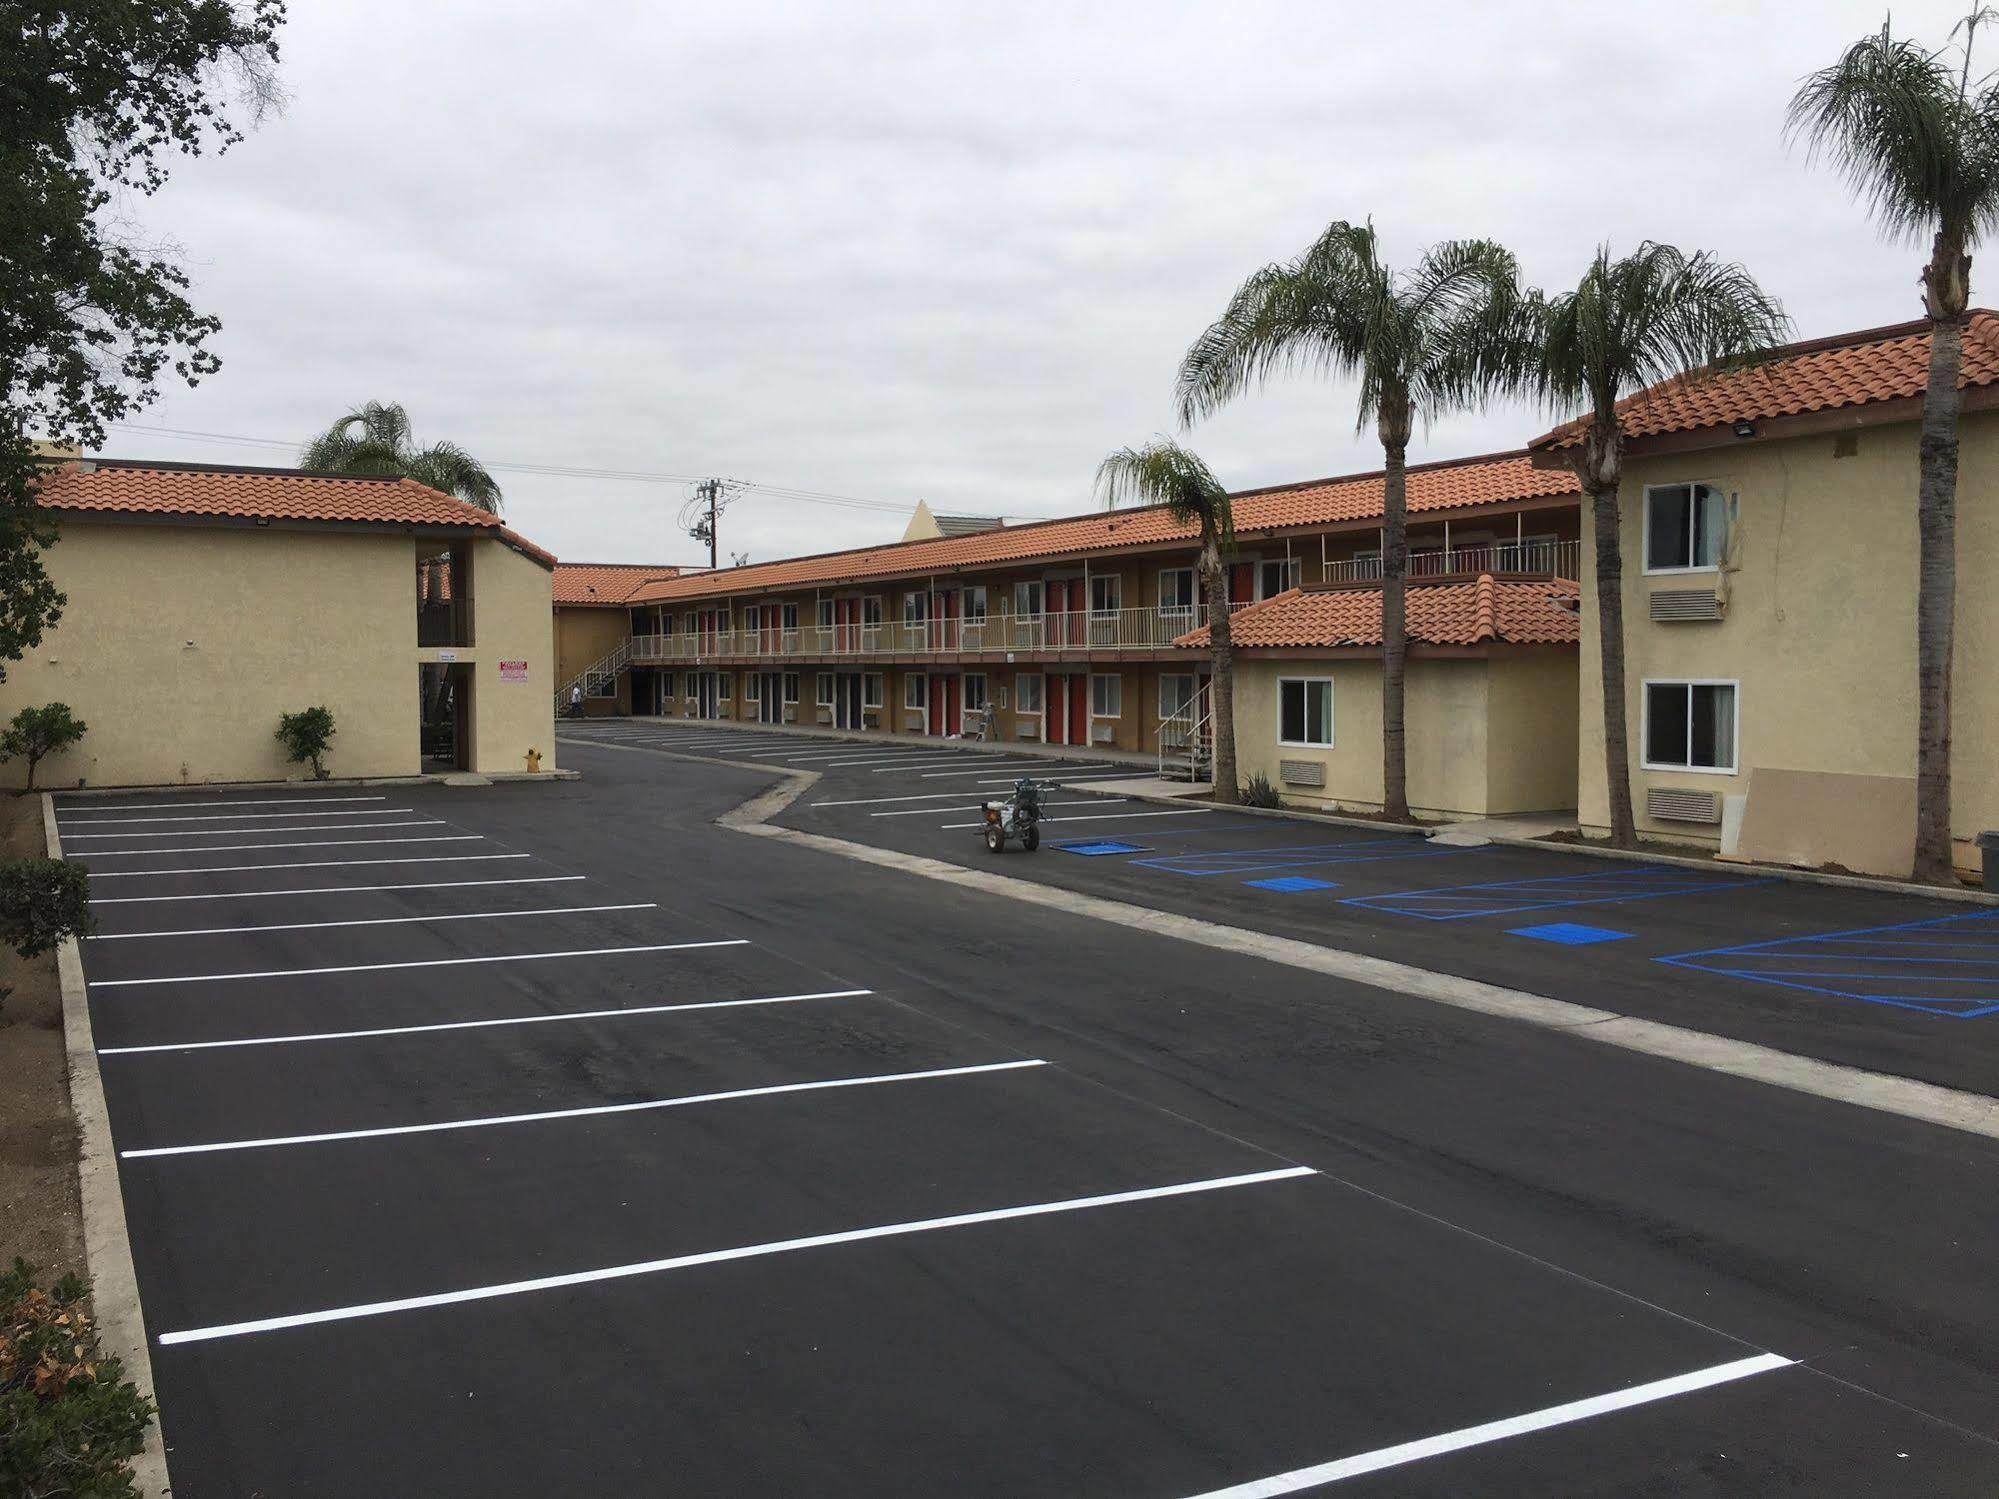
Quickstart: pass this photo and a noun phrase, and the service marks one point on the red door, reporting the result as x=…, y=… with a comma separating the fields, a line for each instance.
x=1056, y=717
x=1242, y=582
x=1077, y=608
x=950, y=641
x=1079, y=708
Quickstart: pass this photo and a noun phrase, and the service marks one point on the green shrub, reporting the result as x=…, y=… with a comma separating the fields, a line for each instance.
x=39, y=732
x=69, y=1419
x=1259, y=792
x=43, y=901
x=305, y=736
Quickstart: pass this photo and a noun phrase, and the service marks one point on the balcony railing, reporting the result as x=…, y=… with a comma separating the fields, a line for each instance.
x=1078, y=632
x=1562, y=559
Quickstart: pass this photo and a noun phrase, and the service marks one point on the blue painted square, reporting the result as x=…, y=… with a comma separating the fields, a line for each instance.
x=1568, y=933
x=1099, y=846
x=1292, y=882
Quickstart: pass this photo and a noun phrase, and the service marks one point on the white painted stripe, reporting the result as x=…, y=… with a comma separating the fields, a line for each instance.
x=474, y=1025
x=234, y=848
x=514, y=957
x=78, y=822
x=1107, y=817
x=320, y=827
x=976, y=770
x=153, y=874
x=1108, y=775
x=137, y=900
x=1081, y=801
x=876, y=801
x=1498, y=1431
x=262, y=801
x=720, y=1256
x=590, y=1112
x=308, y=926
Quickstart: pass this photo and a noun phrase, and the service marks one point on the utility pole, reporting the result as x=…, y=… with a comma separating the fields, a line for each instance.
x=702, y=513
x=712, y=489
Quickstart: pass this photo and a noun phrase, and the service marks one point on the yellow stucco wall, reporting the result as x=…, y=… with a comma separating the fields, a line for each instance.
x=180, y=646
x=1531, y=727
x=512, y=620
x=583, y=637
x=1820, y=623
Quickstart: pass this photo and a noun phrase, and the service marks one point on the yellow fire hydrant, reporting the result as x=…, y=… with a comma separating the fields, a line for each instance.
x=534, y=762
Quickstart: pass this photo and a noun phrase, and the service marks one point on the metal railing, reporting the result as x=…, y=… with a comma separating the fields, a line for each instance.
x=1186, y=743
x=1074, y=632
x=1562, y=559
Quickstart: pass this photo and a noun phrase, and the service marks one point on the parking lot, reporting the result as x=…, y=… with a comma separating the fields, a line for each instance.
x=479, y=1144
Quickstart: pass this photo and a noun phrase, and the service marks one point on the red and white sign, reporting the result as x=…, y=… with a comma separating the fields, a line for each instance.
x=513, y=671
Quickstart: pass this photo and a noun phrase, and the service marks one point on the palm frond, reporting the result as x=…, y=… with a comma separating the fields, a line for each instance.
x=375, y=438
x=1165, y=474
x=446, y=466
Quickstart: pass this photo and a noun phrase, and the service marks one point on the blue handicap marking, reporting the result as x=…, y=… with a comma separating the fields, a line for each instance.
x=1097, y=846
x=1292, y=882
x=1947, y=965
x=1568, y=933
x=1503, y=897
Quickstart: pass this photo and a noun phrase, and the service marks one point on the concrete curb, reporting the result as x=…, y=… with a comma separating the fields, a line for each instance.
x=1587, y=850
x=107, y=1248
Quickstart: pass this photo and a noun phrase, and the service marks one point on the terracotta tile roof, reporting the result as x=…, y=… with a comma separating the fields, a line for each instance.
x=1539, y=612
x=1433, y=487
x=1828, y=374
x=607, y=584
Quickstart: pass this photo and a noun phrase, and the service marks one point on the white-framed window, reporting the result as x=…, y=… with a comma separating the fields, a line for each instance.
x=823, y=696
x=687, y=623
x=791, y=617
x=823, y=614
x=1176, y=590
x=1686, y=528
x=871, y=689
x=975, y=691
x=1027, y=692
x=753, y=687
x=1305, y=711
x=1106, y=593
x=871, y=612
x=915, y=607
x=600, y=684
x=666, y=684
x=915, y=690
x=1275, y=576
x=1176, y=694
x=791, y=687
x=1027, y=599
x=975, y=605
x=1106, y=694
x=1690, y=725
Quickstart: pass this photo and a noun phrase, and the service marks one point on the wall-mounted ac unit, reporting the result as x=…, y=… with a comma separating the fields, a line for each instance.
x=1027, y=728
x=1684, y=605
x=1302, y=772
x=1671, y=804
x=791, y=713
x=825, y=715
x=1103, y=733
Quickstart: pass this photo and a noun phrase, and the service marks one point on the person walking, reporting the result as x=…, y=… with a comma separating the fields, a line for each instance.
x=576, y=700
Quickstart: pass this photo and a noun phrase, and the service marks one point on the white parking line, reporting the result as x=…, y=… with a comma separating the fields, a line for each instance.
x=308, y=926
x=1111, y=775
x=153, y=874
x=720, y=1256
x=513, y=957
x=262, y=801
x=474, y=1025
x=1498, y=1431
x=135, y=900
x=78, y=822
x=1107, y=817
x=589, y=1112
x=978, y=770
x=1081, y=801
x=323, y=827
x=236, y=848
x=876, y=801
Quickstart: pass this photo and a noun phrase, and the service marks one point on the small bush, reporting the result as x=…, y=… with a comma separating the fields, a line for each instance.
x=43, y=901
x=37, y=733
x=69, y=1420
x=305, y=736
x=1259, y=792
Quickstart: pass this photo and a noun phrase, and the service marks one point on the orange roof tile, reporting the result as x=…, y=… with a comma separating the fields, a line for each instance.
x=1459, y=484
x=1827, y=374
x=1539, y=612
x=586, y=584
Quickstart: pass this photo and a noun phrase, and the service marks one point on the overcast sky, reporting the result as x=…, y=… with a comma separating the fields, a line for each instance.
x=944, y=252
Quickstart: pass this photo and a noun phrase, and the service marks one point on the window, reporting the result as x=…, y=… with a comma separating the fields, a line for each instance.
x=791, y=618
x=824, y=696
x=915, y=690
x=871, y=689
x=753, y=687
x=791, y=687
x=1690, y=726
x=1305, y=711
x=915, y=608
x=1106, y=695
x=665, y=684
x=975, y=691
x=1176, y=696
x=600, y=684
x=1686, y=527
x=871, y=612
x=1273, y=578
x=1106, y=593
x=975, y=606
x=1027, y=692
x=823, y=614
x=1176, y=590
x=687, y=623
x=1027, y=599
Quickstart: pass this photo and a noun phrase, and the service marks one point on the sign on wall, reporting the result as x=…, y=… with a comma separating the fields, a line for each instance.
x=513, y=671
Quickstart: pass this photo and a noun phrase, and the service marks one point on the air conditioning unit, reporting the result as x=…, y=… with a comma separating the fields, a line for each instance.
x=1671, y=804
x=1027, y=728
x=1103, y=733
x=1685, y=605
x=1302, y=772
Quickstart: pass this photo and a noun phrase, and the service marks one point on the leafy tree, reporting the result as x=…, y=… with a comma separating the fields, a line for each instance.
x=37, y=733
x=96, y=99
x=1918, y=141
x=43, y=901
x=305, y=736
x=375, y=439
x=1420, y=342
x=1164, y=473
x=1656, y=314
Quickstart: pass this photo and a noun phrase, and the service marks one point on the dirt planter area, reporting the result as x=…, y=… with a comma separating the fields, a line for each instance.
x=38, y=1146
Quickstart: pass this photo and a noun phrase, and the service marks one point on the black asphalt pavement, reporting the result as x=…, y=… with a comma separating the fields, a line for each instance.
x=549, y=1139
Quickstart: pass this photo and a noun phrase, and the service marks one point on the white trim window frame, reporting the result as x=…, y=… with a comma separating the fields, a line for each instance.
x=1030, y=599
x=871, y=690
x=916, y=692
x=971, y=699
x=972, y=604
x=1645, y=760
x=1697, y=532
x=791, y=689
x=1114, y=681
x=600, y=684
x=753, y=687
x=823, y=691
x=1291, y=570
x=1021, y=695
x=1175, y=608
x=1176, y=703
x=1305, y=720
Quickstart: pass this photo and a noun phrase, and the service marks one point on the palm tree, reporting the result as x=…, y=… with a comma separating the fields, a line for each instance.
x=375, y=439
x=1920, y=145
x=1164, y=473
x=1418, y=343
x=1657, y=314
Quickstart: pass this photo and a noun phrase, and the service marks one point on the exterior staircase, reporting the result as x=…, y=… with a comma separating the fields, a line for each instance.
x=1187, y=747
x=613, y=663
